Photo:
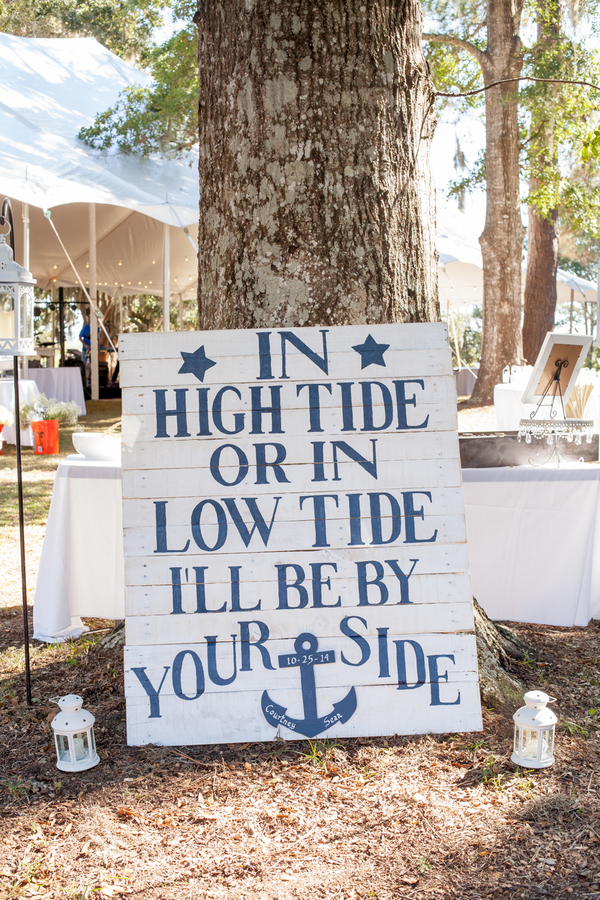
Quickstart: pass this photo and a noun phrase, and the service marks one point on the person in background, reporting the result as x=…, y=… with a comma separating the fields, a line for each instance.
x=85, y=338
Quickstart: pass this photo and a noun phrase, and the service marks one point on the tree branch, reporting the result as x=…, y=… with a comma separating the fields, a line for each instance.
x=461, y=44
x=590, y=84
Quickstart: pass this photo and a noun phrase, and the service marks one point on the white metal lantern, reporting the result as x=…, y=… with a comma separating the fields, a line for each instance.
x=74, y=735
x=16, y=305
x=534, y=732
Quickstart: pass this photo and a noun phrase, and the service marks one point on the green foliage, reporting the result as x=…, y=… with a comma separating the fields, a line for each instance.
x=124, y=26
x=40, y=408
x=161, y=118
x=144, y=312
x=465, y=330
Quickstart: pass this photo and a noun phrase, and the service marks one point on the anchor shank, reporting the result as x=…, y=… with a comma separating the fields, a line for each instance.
x=309, y=691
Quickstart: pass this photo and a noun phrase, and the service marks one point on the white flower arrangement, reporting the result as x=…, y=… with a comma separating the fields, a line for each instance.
x=6, y=417
x=40, y=408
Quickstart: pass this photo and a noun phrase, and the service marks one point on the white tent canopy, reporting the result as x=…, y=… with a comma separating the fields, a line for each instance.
x=51, y=89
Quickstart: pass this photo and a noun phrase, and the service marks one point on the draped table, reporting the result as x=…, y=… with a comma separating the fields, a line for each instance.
x=27, y=389
x=534, y=542
x=534, y=545
x=63, y=383
x=81, y=566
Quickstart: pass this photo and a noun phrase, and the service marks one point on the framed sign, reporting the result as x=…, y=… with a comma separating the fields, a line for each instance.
x=294, y=534
x=562, y=356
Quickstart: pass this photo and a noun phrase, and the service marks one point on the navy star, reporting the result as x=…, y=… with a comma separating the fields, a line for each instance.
x=371, y=353
x=196, y=363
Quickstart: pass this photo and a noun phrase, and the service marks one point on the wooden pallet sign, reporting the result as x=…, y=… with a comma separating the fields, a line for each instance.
x=295, y=548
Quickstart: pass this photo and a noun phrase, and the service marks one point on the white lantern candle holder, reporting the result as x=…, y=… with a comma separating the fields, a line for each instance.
x=16, y=305
x=74, y=735
x=534, y=732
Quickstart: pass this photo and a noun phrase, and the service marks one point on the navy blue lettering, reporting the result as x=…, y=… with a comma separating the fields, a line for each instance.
x=211, y=658
x=258, y=410
x=411, y=514
x=314, y=403
x=355, y=456
x=262, y=465
x=215, y=465
x=203, y=423
x=176, y=589
x=434, y=678
x=153, y=694
x=401, y=662
x=402, y=401
x=217, y=411
x=376, y=520
x=284, y=587
x=264, y=354
x=355, y=523
x=259, y=523
x=177, y=666
x=318, y=467
x=318, y=582
x=347, y=411
x=402, y=578
x=201, y=592
x=162, y=413
x=299, y=344
x=221, y=524
x=364, y=583
x=361, y=643
x=235, y=591
x=367, y=399
x=160, y=517
x=319, y=516
x=382, y=647
x=246, y=644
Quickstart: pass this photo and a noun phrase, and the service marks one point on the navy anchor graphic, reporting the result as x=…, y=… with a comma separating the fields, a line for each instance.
x=307, y=657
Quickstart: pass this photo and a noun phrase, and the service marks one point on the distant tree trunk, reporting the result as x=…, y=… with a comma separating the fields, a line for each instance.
x=542, y=236
x=502, y=238
x=540, y=281
x=316, y=202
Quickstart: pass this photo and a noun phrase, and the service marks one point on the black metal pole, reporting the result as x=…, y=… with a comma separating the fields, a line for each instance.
x=61, y=323
x=22, y=530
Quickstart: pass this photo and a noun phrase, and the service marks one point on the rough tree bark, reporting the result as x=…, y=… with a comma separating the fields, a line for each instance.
x=542, y=235
x=502, y=237
x=316, y=199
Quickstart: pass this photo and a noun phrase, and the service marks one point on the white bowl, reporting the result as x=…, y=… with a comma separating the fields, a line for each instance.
x=94, y=445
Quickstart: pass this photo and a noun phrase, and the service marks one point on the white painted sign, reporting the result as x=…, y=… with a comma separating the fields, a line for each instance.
x=295, y=547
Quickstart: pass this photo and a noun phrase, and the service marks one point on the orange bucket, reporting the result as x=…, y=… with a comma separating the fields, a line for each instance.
x=45, y=436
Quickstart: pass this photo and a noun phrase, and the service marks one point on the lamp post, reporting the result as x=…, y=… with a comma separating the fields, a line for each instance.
x=16, y=339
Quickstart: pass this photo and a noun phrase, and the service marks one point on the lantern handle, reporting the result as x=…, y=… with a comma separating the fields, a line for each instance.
x=4, y=221
x=54, y=700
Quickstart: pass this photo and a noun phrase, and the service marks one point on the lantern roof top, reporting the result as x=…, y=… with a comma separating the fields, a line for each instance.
x=11, y=271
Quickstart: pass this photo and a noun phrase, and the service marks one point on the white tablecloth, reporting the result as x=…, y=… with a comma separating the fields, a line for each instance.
x=81, y=567
x=509, y=409
x=534, y=542
x=27, y=390
x=465, y=380
x=60, y=384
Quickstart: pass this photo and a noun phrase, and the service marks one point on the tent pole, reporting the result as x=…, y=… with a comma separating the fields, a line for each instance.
x=571, y=312
x=61, y=323
x=166, y=275
x=25, y=217
x=53, y=326
x=180, y=311
x=93, y=318
x=120, y=311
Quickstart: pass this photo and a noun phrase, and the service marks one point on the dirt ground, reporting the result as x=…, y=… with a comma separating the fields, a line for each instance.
x=436, y=816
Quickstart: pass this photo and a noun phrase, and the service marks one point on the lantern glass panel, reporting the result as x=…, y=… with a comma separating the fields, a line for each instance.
x=93, y=741
x=7, y=313
x=547, y=744
x=81, y=744
x=26, y=314
x=530, y=743
x=516, y=740
x=62, y=743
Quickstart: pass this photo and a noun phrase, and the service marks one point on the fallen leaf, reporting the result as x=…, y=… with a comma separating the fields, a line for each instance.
x=410, y=880
x=125, y=812
x=68, y=829
x=85, y=849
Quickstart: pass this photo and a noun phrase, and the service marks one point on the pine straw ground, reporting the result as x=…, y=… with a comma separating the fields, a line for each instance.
x=441, y=816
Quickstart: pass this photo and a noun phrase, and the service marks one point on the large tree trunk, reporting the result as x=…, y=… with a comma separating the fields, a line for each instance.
x=502, y=238
x=316, y=199
x=540, y=281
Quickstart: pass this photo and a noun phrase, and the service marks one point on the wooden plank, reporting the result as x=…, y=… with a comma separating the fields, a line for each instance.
x=264, y=595
x=426, y=391
x=193, y=628
x=244, y=369
x=407, y=474
x=390, y=712
x=259, y=665
x=445, y=560
x=233, y=459
x=244, y=342
x=441, y=502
